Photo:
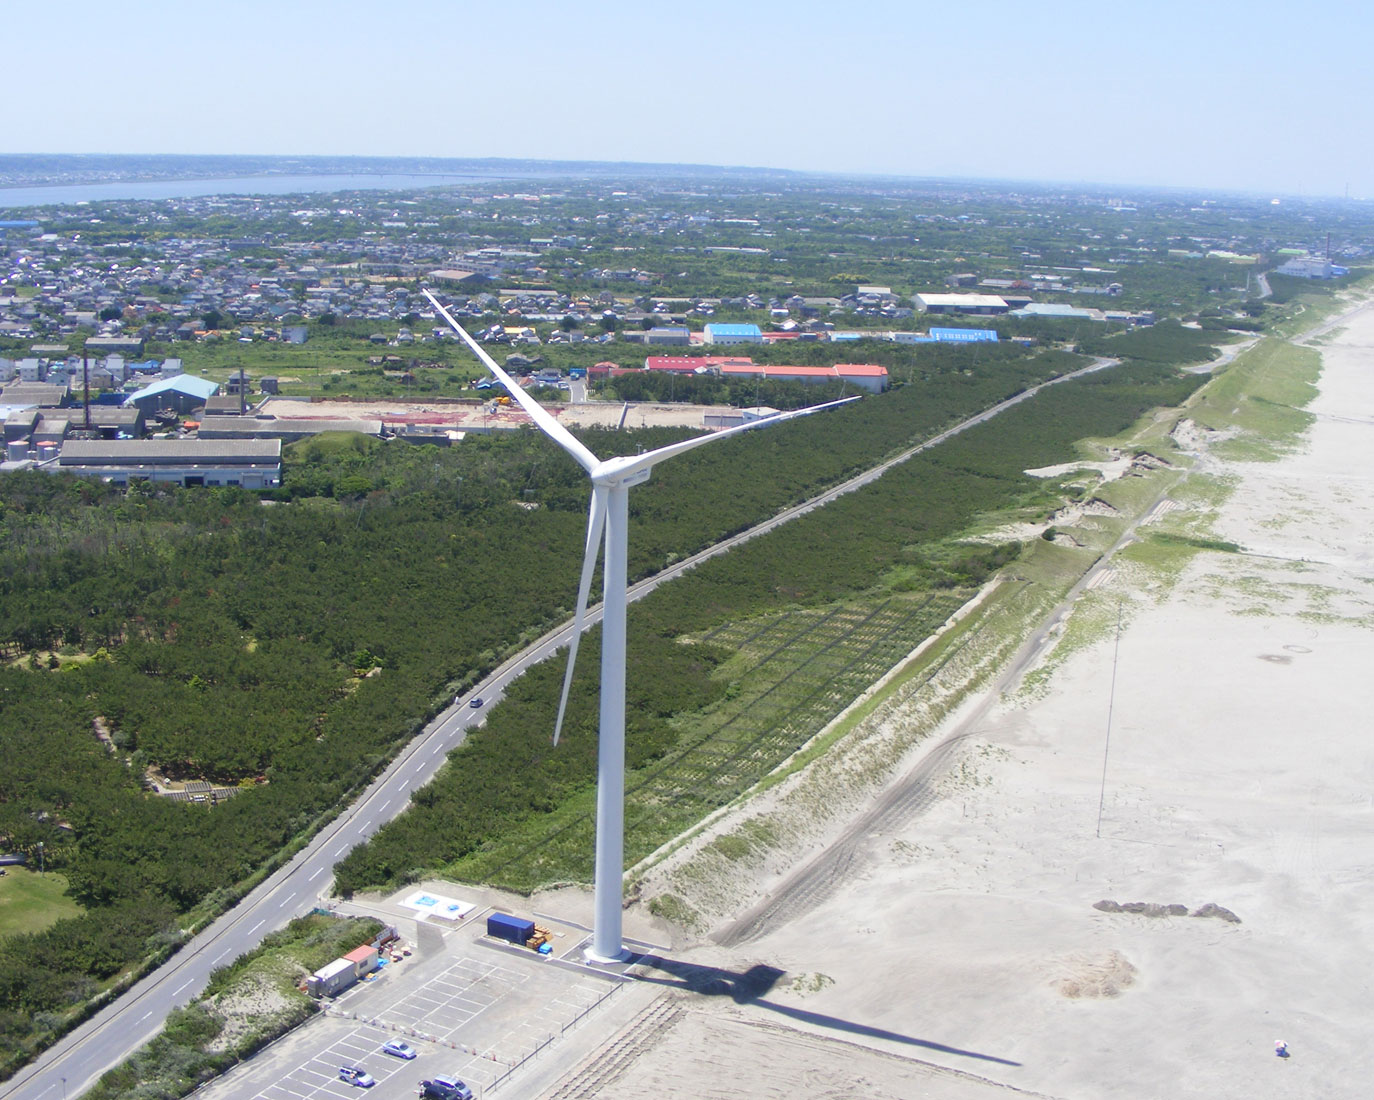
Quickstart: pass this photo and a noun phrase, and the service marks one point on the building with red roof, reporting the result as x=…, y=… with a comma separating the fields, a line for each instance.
x=867, y=376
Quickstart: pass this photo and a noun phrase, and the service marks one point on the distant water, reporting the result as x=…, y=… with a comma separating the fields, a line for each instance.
x=12, y=197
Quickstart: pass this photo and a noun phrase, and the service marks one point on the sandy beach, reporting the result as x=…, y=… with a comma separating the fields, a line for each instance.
x=1142, y=867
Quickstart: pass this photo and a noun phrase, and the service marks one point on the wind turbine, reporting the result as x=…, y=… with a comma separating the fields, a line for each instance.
x=611, y=480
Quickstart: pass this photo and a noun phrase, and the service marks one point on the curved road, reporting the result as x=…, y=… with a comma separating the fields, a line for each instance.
x=73, y=1064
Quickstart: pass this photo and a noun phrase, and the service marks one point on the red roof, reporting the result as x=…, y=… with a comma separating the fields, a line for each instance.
x=689, y=363
x=839, y=370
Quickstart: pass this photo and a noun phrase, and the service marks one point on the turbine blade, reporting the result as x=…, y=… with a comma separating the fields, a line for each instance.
x=632, y=463
x=596, y=523
x=547, y=423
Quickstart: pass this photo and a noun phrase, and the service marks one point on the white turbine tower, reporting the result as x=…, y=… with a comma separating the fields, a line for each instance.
x=611, y=481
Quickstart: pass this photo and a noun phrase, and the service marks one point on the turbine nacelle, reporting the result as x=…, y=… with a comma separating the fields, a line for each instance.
x=625, y=471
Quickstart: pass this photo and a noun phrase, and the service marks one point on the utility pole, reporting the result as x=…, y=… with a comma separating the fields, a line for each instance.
x=86, y=378
x=1111, y=702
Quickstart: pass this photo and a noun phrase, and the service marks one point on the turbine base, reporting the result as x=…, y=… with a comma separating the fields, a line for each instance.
x=593, y=956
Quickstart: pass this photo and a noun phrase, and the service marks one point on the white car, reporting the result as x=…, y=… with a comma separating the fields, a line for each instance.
x=355, y=1075
x=399, y=1049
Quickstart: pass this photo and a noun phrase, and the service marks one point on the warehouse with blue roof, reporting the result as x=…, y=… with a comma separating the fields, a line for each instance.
x=964, y=335
x=733, y=334
x=182, y=393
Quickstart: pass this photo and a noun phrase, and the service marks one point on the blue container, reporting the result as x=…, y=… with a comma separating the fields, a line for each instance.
x=506, y=927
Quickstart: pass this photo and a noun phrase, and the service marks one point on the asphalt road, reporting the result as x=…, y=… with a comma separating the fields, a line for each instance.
x=73, y=1064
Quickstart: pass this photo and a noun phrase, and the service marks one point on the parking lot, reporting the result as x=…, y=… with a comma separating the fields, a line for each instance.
x=470, y=1011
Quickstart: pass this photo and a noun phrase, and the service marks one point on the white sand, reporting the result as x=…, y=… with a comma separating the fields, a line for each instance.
x=1240, y=772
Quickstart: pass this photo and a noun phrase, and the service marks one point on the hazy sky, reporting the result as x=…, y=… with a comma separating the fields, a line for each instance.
x=1258, y=96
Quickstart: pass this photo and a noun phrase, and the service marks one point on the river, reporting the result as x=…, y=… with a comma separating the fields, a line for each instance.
x=12, y=198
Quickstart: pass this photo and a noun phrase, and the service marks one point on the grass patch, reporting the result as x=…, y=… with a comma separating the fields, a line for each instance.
x=246, y=1005
x=1196, y=542
x=1263, y=394
x=673, y=909
x=1305, y=303
x=803, y=984
x=30, y=902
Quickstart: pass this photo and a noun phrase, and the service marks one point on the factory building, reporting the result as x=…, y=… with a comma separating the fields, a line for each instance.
x=733, y=334
x=690, y=364
x=1059, y=311
x=983, y=304
x=865, y=376
x=669, y=334
x=251, y=463
x=182, y=394
x=1311, y=267
x=963, y=335
x=283, y=429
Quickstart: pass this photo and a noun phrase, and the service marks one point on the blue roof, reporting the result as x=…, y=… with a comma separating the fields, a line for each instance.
x=964, y=335
x=202, y=388
x=734, y=330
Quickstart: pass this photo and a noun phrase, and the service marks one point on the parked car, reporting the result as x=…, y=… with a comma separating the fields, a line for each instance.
x=355, y=1075
x=399, y=1049
x=445, y=1088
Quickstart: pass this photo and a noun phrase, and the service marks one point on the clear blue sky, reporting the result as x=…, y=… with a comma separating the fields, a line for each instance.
x=1211, y=93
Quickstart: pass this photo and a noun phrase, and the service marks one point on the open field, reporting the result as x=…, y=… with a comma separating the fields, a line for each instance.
x=1201, y=771
x=30, y=902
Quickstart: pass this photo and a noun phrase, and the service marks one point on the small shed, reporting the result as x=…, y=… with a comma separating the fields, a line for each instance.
x=328, y=981
x=363, y=959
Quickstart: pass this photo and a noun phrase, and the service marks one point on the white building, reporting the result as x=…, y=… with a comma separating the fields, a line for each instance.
x=961, y=303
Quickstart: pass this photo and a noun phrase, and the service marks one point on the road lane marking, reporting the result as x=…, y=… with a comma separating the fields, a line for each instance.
x=182, y=986
x=318, y=871
x=257, y=926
